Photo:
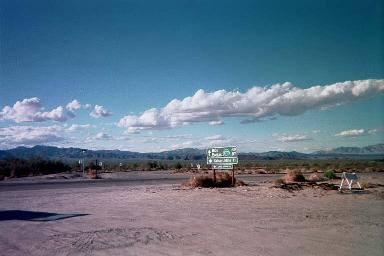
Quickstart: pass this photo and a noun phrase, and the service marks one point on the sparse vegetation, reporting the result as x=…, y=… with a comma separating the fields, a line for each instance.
x=223, y=179
x=178, y=166
x=16, y=167
x=200, y=181
x=329, y=174
x=294, y=176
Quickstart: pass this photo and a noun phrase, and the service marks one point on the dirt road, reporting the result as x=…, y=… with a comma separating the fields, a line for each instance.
x=171, y=220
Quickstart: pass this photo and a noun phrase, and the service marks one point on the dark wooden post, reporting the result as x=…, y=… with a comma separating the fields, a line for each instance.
x=97, y=166
x=233, y=177
x=214, y=176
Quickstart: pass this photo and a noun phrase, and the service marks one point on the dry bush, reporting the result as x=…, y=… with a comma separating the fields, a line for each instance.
x=315, y=177
x=92, y=174
x=294, y=176
x=200, y=181
x=223, y=179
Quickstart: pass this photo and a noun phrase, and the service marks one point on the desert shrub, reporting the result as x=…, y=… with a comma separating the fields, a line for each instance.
x=329, y=174
x=178, y=166
x=223, y=179
x=16, y=167
x=92, y=174
x=315, y=177
x=200, y=181
x=294, y=176
x=93, y=166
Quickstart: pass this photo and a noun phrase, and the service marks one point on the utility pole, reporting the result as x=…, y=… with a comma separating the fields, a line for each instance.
x=83, y=153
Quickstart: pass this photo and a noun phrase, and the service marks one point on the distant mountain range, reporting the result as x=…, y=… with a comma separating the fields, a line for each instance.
x=71, y=154
x=373, y=149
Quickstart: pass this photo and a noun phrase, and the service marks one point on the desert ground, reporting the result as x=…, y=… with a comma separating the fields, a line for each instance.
x=170, y=219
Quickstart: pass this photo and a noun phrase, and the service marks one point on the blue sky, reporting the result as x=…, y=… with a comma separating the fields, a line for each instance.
x=132, y=58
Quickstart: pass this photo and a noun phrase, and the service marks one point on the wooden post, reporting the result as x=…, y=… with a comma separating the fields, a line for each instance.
x=214, y=176
x=233, y=177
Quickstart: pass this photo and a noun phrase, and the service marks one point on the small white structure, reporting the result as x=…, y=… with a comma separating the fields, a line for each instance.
x=198, y=167
x=348, y=178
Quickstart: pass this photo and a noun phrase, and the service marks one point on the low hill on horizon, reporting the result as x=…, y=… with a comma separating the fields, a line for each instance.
x=51, y=152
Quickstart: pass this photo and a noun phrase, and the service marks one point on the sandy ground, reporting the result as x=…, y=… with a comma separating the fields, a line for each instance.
x=172, y=220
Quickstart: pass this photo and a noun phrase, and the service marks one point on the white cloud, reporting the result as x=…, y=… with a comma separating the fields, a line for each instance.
x=103, y=136
x=255, y=104
x=219, y=122
x=376, y=130
x=77, y=127
x=294, y=138
x=100, y=111
x=14, y=136
x=30, y=110
x=351, y=133
x=131, y=130
x=215, y=137
x=73, y=105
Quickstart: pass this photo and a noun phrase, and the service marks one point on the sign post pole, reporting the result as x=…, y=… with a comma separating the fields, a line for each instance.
x=214, y=176
x=233, y=177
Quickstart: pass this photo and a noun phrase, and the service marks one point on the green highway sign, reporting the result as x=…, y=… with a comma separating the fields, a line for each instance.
x=222, y=155
x=222, y=166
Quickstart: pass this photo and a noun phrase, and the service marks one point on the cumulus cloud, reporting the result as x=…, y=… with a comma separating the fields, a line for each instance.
x=351, y=133
x=14, y=136
x=77, y=127
x=30, y=110
x=294, y=138
x=100, y=111
x=256, y=104
x=73, y=105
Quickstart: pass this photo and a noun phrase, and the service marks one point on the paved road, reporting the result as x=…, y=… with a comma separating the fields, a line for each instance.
x=134, y=180
x=89, y=183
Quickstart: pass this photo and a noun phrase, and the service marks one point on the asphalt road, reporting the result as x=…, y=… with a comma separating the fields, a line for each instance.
x=130, y=181
x=90, y=183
